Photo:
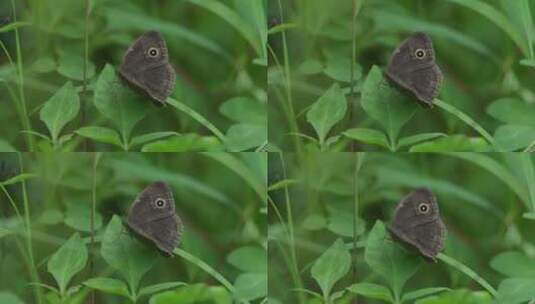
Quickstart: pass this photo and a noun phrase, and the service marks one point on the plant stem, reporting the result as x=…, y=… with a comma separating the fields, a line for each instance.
x=96, y=158
x=291, y=236
x=33, y=272
x=198, y=117
x=207, y=268
x=287, y=72
x=466, y=119
x=84, y=85
x=25, y=119
x=467, y=271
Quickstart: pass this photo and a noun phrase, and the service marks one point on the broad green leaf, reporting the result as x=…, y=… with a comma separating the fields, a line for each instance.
x=420, y=293
x=372, y=291
x=50, y=217
x=250, y=286
x=314, y=222
x=455, y=143
x=197, y=293
x=331, y=266
x=414, y=139
x=338, y=68
x=71, y=66
x=341, y=222
x=184, y=143
x=108, y=285
x=514, y=264
x=43, y=65
x=243, y=137
x=70, y=258
x=149, y=137
x=327, y=111
x=249, y=259
x=388, y=259
x=368, y=136
x=145, y=291
x=125, y=254
x=245, y=110
x=512, y=111
x=118, y=103
x=78, y=216
x=100, y=134
x=9, y=298
x=461, y=296
x=6, y=147
x=510, y=138
x=516, y=290
x=61, y=108
x=386, y=104
x=310, y=67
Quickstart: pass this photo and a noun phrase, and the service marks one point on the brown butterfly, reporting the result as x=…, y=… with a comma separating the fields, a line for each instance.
x=146, y=67
x=413, y=68
x=152, y=216
x=417, y=223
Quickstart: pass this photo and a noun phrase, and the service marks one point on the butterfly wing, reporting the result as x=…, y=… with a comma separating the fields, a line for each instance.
x=425, y=232
x=152, y=76
x=420, y=76
x=159, y=225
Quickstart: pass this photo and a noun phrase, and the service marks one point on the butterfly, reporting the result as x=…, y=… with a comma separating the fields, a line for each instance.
x=152, y=216
x=417, y=223
x=413, y=68
x=146, y=68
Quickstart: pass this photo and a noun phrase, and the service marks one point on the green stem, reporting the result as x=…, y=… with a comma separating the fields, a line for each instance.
x=29, y=245
x=25, y=119
x=207, y=268
x=196, y=116
x=467, y=271
x=84, y=85
x=466, y=119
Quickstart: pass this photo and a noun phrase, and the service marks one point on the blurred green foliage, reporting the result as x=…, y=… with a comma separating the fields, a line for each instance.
x=45, y=228
x=326, y=206
x=484, y=48
x=216, y=46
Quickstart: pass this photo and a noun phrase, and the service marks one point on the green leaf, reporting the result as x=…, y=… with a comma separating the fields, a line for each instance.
x=6, y=147
x=387, y=105
x=331, y=266
x=455, y=143
x=368, y=136
x=145, y=291
x=125, y=254
x=420, y=293
x=70, y=258
x=118, y=103
x=50, y=217
x=145, y=138
x=514, y=264
x=250, y=286
x=243, y=137
x=184, y=143
x=78, y=216
x=100, y=134
x=372, y=291
x=327, y=111
x=461, y=296
x=9, y=298
x=388, y=259
x=512, y=111
x=61, y=108
x=341, y=222
x=43, y=65
x=338, y=68
x=414, y=139
x=71, y=66
x=511, y=138
x=197, y=293
x=108, y=285
x=245, y=110
x=310, y=67
x=516, y=290
x=314, y=222
x=18, y=178
x=249, y=259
